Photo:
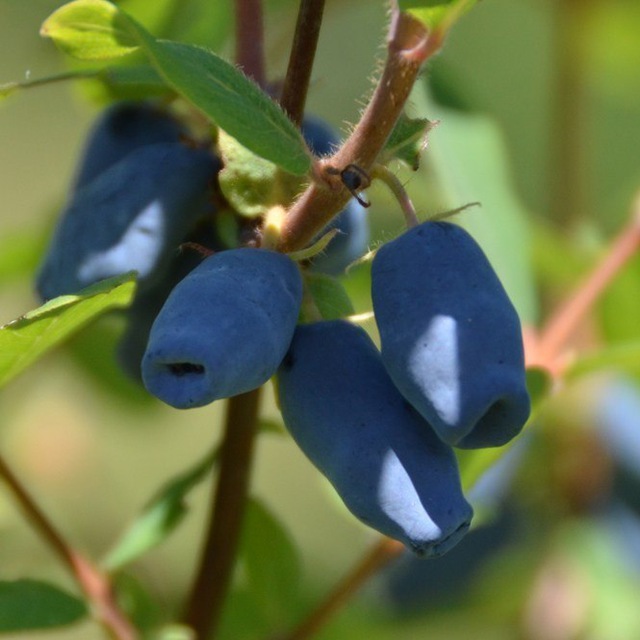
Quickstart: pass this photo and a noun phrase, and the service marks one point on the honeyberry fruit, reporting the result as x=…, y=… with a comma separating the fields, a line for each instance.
x=352, y=239
x=451, y=338
x=390, y=469
x=132, y=217
x=122, y=128
x=224, y=328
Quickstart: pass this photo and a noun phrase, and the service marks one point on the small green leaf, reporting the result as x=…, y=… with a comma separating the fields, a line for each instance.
x=329, y=296
x=161, y=516
x=248, y=182
x=90, y=30
x=271, y=562
x=234, y=102
x=130, y=81
x=27, y=605
x=437, y=14
x=407, y=141
x=25, y=340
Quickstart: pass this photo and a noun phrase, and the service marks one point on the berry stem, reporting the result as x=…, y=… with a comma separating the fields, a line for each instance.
x=95, y=585
x=215, y=569
x=559, y=328
x=375, y=559
x=407, y=49
x=303, y=51
x=249, y=53
x=381, y=172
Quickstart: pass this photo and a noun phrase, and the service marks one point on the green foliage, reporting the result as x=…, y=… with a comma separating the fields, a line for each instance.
x=90, y=30
x=28, y=605
x=436, y=14
x=98, y=30
x=31, y=336
x=329, y=296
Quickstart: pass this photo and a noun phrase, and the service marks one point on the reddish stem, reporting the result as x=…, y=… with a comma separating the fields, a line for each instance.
x=326, y=196
x=215, y=569
x=375, y=559
x=559, y=328
x=249, y=53
x=94, y=584
x=303, y=52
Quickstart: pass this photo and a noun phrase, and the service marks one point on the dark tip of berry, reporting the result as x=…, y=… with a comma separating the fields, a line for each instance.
x=180, y=369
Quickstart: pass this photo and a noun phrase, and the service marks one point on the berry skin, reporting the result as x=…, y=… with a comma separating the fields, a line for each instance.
x=451, y=338
x=387, y=465
x=224, y=328
x=121, y=129
x=352, y=239
x=131, y=218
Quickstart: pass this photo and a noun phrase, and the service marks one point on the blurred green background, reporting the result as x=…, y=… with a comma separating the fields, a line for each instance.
x=539, y=105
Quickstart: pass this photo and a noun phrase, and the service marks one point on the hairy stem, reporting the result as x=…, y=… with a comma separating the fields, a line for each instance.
x=375, y=559
x=250, y=39
x=94, y=584
x=407, y=48
x=559, y=328
x=303, y=52
x=215, y=569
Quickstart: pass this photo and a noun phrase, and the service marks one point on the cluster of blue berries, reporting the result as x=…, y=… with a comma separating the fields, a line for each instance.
x=380, y=425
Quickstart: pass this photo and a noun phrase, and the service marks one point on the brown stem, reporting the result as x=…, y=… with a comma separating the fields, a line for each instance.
x=375, y=559
x=303, y=51
x=407, y=50
x=93, y=583
x=215, y=569
x=569, y=135
x=250, y=39
x=561, y=325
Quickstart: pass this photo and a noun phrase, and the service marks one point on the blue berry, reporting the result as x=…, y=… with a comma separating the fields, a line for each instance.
x=132, y=217
x=224, y=328
x=122, y=128
x=387, y=465
x=451, y=338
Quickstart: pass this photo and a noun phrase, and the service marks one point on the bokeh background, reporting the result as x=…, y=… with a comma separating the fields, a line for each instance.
x=539, y=105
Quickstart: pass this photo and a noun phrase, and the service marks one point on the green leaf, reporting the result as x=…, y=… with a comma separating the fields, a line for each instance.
x=271, y=562
x=90, y=30
x=27, y=605
x=234, y=102
x=161, y=516
x=329, y=296
x=437, y=14
x=28, y=338
x=407, y=140
x=248, y=182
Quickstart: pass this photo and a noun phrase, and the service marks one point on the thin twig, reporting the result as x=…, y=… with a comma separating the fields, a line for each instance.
x=407, y=50
x=373, y=561
x=303, y=51
x=250, y=39
x=94, y=584
x=215, y=569
x=559, y=328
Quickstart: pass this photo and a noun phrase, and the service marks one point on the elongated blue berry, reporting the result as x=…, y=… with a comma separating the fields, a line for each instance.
x=131, y=218
x=120, y=129
x=387, y=465
x=224, y=328
x=451, y=338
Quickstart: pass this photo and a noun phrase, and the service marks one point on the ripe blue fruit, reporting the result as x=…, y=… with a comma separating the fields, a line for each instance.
x=122, y=128
x=131, y=218
x=224, y=329
x=451, y=338
x=352, y=239
x=387, y=465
